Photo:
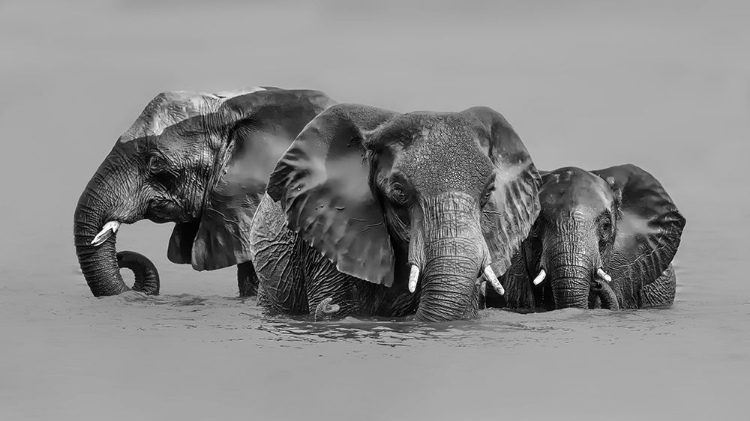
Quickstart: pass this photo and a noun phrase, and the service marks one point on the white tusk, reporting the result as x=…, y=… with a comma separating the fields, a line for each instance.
x=413, y=277
x=490, y=275
x=539, y=278
x=602, y=274
x=106, y=232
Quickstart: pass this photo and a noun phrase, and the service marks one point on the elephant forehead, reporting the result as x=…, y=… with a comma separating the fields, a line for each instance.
x=573, y=191
x=443, y=154
x=166, y=110
x=174, y=107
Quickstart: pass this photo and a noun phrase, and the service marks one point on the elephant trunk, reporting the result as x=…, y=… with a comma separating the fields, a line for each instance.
x=146, y=275
x=98, y=263
x=570, y=274
x=449, y=290
x=453, y=251
x=102, y=201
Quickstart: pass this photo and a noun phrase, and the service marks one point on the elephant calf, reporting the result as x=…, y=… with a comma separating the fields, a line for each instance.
x=197, y=159
x=603, y=238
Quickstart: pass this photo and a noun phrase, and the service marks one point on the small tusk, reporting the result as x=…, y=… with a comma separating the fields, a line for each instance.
x=413, y=277
x=539, y=278
x=325, y=307
x=490, y=275
x=106, y=232
x=602, y=274
x=483, y=288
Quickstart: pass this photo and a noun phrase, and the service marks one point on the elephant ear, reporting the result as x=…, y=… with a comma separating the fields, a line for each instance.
x=650, y=226
x=322, y=183
x=256, y=129
x=514, y=205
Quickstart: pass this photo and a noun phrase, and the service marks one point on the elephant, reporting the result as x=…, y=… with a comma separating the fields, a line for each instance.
x=603, y=238
x=372, y=212
x=200, y=160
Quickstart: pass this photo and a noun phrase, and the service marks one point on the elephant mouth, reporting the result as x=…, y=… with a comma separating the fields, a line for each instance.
x=164, y=212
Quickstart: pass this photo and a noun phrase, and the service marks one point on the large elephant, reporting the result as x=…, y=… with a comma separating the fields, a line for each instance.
x=200, y=160
x=604, y=238
x=387, y=214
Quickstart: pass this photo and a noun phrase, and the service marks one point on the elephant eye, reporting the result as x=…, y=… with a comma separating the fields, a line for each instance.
x=155, y=164
x=397, y=194
x=605, y=229
x=159, y=168
x=487, y=196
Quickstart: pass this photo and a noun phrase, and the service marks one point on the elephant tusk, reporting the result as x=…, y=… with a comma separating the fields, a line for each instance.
x=413, y=277
x=324, y=308
x=602, y=274
x=539, y=278
x=106, y=232
x=490, y=275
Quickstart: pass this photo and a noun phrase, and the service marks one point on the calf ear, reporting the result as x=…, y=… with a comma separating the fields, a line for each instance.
x=258, y=129
x=649, y=227
x=514, y=204
x=322, y=183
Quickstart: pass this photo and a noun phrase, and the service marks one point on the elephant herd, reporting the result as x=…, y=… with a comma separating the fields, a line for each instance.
x=346, y=209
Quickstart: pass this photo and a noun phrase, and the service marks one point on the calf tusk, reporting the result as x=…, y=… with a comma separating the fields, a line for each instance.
x=602, y=274
x=490, y=275
x=106, y=232
x=413, y=277
x=539, y=278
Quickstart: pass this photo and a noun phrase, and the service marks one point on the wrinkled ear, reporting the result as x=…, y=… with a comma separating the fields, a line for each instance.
x=322, y=183
x=650, y=226
x=259, y=128
x=514, y=205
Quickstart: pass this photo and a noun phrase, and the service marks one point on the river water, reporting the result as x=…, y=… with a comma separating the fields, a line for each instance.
x=666, y=87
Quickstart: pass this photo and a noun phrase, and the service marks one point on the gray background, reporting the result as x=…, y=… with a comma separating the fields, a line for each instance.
x=664, y=85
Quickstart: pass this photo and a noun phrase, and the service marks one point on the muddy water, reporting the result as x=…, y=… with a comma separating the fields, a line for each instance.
x=666, y=87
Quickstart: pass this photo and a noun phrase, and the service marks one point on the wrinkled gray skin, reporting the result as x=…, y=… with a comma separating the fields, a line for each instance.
x=364, y=194
x=146, y=276
x=619, y=220
x=197, y=159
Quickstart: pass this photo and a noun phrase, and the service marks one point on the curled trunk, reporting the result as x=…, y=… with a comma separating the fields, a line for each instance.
x=98, y=263
x=146, y=275
x=101, y=265
x=109, y=197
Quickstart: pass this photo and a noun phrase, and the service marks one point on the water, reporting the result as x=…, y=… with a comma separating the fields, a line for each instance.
x=666, y=87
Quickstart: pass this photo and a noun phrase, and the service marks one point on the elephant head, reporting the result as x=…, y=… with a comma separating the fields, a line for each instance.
x=614, y=229
x=425, y=200
x=197, y=159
